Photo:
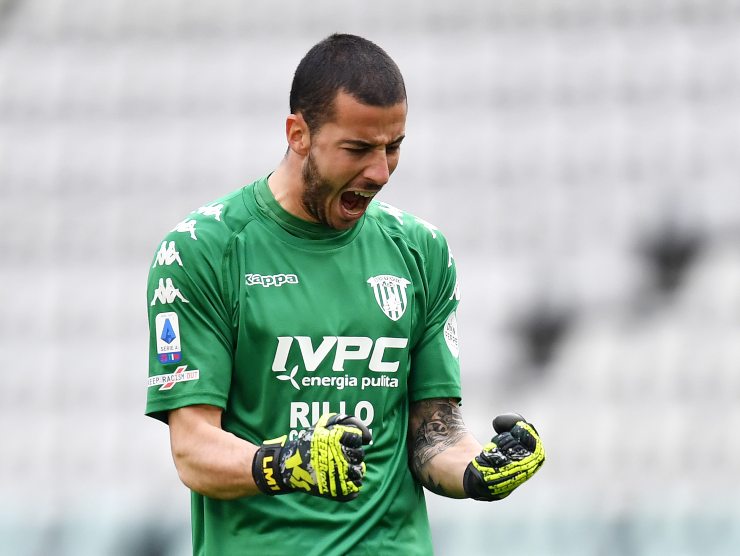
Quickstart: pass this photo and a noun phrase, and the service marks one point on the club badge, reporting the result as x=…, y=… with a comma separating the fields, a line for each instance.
x=390, y=293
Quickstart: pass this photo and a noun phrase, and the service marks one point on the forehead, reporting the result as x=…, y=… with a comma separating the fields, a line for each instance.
x=355, y=120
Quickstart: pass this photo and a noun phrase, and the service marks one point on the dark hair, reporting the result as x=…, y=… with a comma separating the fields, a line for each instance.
x=346, y=63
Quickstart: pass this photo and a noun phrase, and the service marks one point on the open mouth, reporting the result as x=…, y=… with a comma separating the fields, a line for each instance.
x=355, y=202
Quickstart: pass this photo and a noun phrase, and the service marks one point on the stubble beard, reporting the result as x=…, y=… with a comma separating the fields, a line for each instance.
x=315, y=191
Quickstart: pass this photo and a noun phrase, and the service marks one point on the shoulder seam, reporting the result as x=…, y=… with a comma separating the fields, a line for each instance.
x=229, y=246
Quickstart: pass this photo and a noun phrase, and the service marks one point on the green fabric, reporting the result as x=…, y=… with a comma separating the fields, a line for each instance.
x=283, y=321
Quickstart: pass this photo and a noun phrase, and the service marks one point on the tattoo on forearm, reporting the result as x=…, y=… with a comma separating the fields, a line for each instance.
x=437, y=425
x=428, y=481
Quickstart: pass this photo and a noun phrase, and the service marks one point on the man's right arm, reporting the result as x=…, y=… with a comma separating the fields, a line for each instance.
x=208, y=459
x=325, y=460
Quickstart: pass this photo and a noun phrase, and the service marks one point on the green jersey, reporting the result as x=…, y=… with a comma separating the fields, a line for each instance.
x=276, y=321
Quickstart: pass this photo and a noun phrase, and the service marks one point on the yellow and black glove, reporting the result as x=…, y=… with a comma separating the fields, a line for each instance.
x=507, y=461
x=325, y=460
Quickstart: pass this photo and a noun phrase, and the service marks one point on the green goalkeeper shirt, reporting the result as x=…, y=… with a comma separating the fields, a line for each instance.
x=276, y=321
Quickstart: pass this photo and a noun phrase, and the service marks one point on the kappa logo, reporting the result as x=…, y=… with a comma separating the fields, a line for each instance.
x=212, y=210
x=393, y=211
x=456, y=292
x=186, y=226
x=270, y=280
x=167, y=255
x=398, y=214
x=166, y=293
x=429, y=226
x=390, y=293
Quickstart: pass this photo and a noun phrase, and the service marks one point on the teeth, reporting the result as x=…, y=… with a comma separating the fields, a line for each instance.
x=364, y=194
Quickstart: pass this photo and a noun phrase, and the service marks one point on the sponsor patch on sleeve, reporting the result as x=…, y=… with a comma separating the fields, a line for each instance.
x=450, y=333
x=167, y=329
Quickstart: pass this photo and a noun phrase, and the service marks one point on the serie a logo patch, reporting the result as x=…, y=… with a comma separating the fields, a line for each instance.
x=167, y=329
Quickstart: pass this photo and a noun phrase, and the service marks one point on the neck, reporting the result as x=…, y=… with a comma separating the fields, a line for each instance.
x=286, y=185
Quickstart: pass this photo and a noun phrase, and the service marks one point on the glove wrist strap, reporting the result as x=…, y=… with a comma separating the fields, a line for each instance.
x=266, y=467
x=473, y=484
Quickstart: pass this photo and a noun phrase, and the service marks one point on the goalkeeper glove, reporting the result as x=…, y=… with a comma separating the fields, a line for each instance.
x=325, y=460
x=507, y=461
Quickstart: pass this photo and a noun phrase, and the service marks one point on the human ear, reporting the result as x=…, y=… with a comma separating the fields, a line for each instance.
x=296, y=131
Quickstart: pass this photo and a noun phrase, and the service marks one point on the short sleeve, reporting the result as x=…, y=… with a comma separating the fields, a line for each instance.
x=190, y=332
x=435, y=364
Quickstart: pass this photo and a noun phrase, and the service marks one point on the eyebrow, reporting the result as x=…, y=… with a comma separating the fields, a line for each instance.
x=367, y=144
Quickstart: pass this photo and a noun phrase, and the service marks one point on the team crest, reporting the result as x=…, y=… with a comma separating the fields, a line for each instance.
x=390, y=293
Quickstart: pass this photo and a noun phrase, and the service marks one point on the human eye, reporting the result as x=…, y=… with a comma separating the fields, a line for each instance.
x=356, y=148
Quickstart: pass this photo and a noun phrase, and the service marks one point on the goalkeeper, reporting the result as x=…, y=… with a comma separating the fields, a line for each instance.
x=303, y=343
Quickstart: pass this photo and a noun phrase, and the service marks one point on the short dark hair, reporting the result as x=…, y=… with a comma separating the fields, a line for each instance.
x=348, y=63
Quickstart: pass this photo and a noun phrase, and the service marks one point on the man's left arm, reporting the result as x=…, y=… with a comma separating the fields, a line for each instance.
x=449, y=461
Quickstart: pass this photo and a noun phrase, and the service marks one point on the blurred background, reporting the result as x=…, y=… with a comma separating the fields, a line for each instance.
x=582, y=156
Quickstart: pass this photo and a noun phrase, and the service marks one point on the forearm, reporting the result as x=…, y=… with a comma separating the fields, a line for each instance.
x=443, y=473
x=209, y=460
x=440, y=446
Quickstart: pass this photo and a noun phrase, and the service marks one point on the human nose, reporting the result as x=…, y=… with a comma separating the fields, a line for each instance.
x=378, y=171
